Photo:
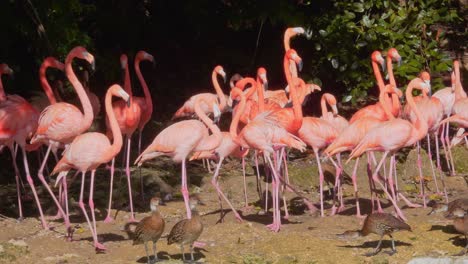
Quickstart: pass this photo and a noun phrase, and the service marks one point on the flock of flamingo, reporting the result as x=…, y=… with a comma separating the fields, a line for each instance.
x=264, y=121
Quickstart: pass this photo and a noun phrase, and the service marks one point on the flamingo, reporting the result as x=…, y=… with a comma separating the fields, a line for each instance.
x=433, y=111
x=128, y=117
x=392, y=135
x=89, y=150
x=188, y=109
x=52, y=95
x=180, y=139
x=263, y=134
x=18, y=120
x=288, y=34
x=61, y=122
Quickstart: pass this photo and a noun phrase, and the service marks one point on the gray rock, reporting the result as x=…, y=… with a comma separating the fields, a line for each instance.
x=430, y=260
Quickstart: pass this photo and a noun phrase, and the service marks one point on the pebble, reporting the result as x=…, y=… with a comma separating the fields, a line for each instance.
x=1, y=249
x=18, y=243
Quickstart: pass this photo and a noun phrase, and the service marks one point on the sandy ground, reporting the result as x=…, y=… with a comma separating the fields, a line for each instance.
x=304, y=237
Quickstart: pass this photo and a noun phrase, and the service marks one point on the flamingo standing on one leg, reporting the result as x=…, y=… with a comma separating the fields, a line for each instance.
x=392, y=135
x=61, y=122
x=181, y=138
x=128, y=117
x=89, y=150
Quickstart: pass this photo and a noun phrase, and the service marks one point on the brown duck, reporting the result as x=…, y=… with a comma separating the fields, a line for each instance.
x=148, y=229
x=186, y=231
x=460, y=222
x=381, y=224
x=450, y=207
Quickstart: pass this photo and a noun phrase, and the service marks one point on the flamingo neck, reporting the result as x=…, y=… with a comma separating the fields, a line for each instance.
x=323, y=104
x=127, y=83
x=219, y=91
x=383, y=99
x=391, y=77
x=236, y=118
x=261, y=96
x=2, y=91
x=297, y=108
x=148, y=99
x=116, y=134
x=378, y=76
x=213, y=140
x=84, y=99
x=420, y=125
x=459, y=92
x=45, y=84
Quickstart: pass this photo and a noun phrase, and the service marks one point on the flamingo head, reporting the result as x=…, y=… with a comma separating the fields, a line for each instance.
x=53, y=62
x=123, y=61
x=394, y=55
x=5, y=69
x=219, y=70
x=291, y=54
x=425, y=83
x=143, y=55
x=297, y=30
x=261, y=73
x=312, y=87
x=377, y=58
x=117, y=90
x=82, y=53
x=234, y=78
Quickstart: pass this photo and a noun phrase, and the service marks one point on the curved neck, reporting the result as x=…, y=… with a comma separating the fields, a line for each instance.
x=127, y=84
x=243, y=83
x=236, y=118
x=212, y=141
x=378, y=76
x=219, y=91
x=2, y=91
x=297, y=108
x=391, y=77
x=261, y=96
x=323, y=104
x=116, y=134
x=148, y=100
x=45, y=84
x=87, y=108
x=385, y=105
x=287, y=39
x=459, y=92
x=419, y=125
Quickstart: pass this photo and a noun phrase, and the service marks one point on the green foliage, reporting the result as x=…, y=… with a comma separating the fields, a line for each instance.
x=349, y=33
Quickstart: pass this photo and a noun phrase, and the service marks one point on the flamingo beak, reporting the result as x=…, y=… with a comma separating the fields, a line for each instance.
x=224, y=78
x=399, y=61
x=216, y=113
x=299, y=65
x=384, y=67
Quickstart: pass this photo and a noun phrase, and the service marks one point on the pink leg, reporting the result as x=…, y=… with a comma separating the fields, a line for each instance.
x=46, y=185
x=395, y=193
x=429, y=153
x=17, y=177
x=246, y=200
x=375, y=177
x=282, y=160
x=371, y=182
x=439, y=168
x=208, y=165
x=379, y=206
x=421, y=178
x=184, y=190
x=109, y=218
x=390, y=178
x=97, y=245
x=447, y=142
x=336, y=188
x=215, y=184
x=276, y=225
x=81, y=203
x=127, y=171
x=356, y=193
x=33, y=188
x=444, y=146
x=321, y=178
x=259, y=184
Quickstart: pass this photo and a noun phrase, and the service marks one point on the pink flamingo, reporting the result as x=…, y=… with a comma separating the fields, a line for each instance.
x=18, y=120
x=89, y=150
x=128, y=117
x=392, y=135
x=264, y=134
x=188, y=109
x=181, y=138
x=61, y=122
x=288, y=34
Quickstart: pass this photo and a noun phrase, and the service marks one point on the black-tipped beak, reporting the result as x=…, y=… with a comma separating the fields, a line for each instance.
x=299, y=65
x=216, y=119
x=399, y=62
x=265, y=85
x=128, y=103
x=224, y=78
x=384, y=67
x=93, y=66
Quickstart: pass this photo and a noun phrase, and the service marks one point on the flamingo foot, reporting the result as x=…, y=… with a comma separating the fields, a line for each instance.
x=57, y=216
x=199, y=244
x=360, y=216
x=274, y=227
x=132, y=220
x=337, y=210
x=99, y=247
x=108, y=219
x=19, y=219
x=239, y=218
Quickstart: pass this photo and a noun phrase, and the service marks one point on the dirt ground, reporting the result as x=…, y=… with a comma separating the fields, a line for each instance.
x=304, y=237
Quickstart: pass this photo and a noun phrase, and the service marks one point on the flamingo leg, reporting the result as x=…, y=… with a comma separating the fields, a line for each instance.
x=97, y=245
x=215, y=183
x=81, y=203
x=275, y=226
x=282, y=158
x=17, y=178
x=129, y=182
x=356, y=193
x=109, y=218
x=337, y=194
x=246, y=200
x=421, y=178
x=375, y=177
x=390, y=178
x=33, y=188
x=439, y=168
x=184, y=190
x=444, y=146
x=395, y=174
x=259, y=184
x=379, y=206
x=42, y=179
x=447, y=142
x=429, y=153
x=321, y=179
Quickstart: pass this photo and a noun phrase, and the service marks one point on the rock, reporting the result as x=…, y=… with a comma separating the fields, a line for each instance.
x=429, y=260
x=1, y=249
x=18, y=243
